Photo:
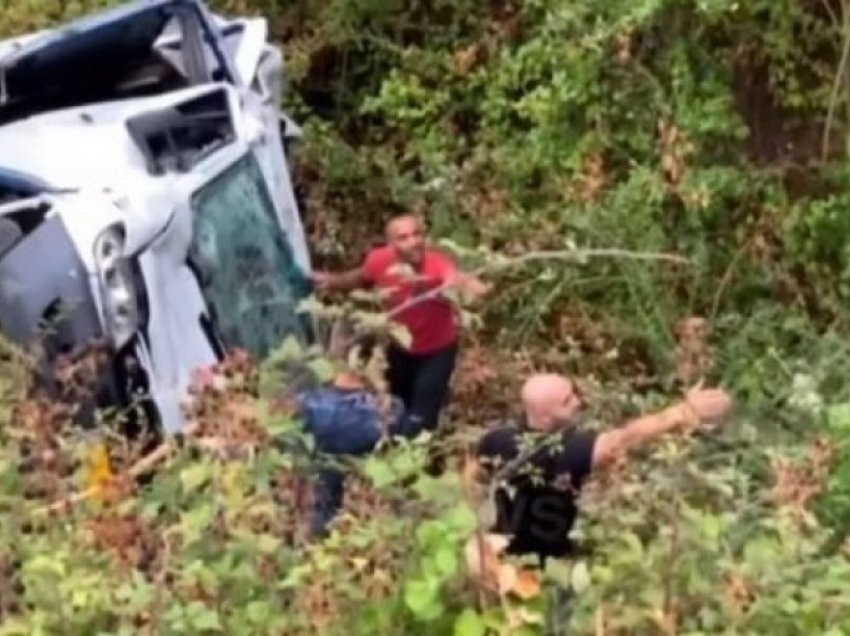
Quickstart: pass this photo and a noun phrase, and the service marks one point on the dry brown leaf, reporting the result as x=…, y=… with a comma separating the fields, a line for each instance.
x=674, y=150
x=467, y=58
x=625, y=41
x=600, y=621
x=593, y=178
x=797, y=484
x=665, y=621
x=494, y=575
x=527, y=585
x=99, y=476
x=694, y=357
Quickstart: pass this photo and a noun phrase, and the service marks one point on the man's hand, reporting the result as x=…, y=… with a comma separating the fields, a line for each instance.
x=345, y=281
x=708, y=406
x=470, y=287
x=322, y=281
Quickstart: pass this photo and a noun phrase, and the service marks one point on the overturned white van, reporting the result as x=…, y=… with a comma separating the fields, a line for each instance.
x=145, y=197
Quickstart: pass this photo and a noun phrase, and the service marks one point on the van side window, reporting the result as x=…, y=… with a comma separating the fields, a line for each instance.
x=247, y=272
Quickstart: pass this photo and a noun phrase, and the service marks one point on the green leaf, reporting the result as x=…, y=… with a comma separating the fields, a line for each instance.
x=469, y=623
x=417, y=594
x=634, y=543
x=194, y=476
x=16, y=627
x=711, y=526
x=429, y=532
x=202, y=618
x=838, y=417
x=194, y=522
x=310, y=305
x=379, y=472
x=559, y=572
x=462, y=519
x=267, y=544
x=258, y=612
x=324, y=369
x=446, y=560
x=421, y=597
x=290, y=349
x=580, y=577
x=494, y=618
x=47, y=565
x=401, y=334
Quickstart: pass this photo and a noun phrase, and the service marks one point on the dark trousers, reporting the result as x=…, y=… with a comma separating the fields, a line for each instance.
x=329, y=490
x=421, y=381
x=336, y=438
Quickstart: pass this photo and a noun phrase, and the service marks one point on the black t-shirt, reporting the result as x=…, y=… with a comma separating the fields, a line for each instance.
x=536, y=499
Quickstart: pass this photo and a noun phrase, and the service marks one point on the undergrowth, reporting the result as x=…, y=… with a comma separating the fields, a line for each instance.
x=709, y=129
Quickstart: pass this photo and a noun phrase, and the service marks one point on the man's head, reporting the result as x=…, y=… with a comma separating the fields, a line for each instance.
x=550, y=401
x=407, y=237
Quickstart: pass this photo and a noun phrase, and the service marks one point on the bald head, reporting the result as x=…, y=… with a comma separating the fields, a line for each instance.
x=407, y=237
x=549, y=400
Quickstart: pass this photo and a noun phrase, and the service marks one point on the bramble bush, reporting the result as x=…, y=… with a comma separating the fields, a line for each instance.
x=215, y=541
x=714, y=129
x=713, y=533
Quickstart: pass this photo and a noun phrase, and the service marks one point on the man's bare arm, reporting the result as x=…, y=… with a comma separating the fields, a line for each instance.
x=700, y=406
x=341, y=281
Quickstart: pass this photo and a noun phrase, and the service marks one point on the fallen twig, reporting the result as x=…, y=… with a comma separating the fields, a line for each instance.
x=135, y=471
x=726, y=279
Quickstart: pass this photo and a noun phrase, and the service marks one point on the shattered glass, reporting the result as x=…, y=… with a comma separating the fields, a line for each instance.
x=245, y=263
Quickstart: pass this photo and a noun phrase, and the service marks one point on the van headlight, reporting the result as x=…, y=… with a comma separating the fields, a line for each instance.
x=117, y=286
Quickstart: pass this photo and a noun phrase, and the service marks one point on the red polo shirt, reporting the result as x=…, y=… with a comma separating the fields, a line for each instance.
x=432, y=323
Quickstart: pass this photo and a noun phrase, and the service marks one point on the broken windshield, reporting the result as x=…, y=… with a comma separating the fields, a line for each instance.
x=242, y=256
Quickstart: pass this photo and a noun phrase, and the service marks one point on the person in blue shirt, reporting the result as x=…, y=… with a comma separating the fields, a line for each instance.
x=346, y=418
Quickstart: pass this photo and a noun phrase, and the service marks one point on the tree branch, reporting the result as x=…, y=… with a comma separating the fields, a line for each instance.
x=573, y=255
x=838, y=80
x=135, y=471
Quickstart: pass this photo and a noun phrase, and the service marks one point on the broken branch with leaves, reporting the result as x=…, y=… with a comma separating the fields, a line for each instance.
x=499, y=263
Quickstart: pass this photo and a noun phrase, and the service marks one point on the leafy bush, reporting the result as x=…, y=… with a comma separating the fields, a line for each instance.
x=694, y=127
x=215, y=541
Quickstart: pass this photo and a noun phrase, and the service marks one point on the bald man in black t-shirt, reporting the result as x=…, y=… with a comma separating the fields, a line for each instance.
x=541, y=464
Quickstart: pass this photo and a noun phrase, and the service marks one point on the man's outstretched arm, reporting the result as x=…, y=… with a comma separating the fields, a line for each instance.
x=339, y=281
x=699, y=406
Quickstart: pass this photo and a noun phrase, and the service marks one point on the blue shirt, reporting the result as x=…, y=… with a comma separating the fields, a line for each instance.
x=346, y=421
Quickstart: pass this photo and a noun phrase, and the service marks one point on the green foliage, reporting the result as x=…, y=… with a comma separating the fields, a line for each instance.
x=215, y=542
x=688, y=126
x=729, y=558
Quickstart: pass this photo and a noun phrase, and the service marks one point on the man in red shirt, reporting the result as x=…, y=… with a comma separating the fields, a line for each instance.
x=412, y=276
